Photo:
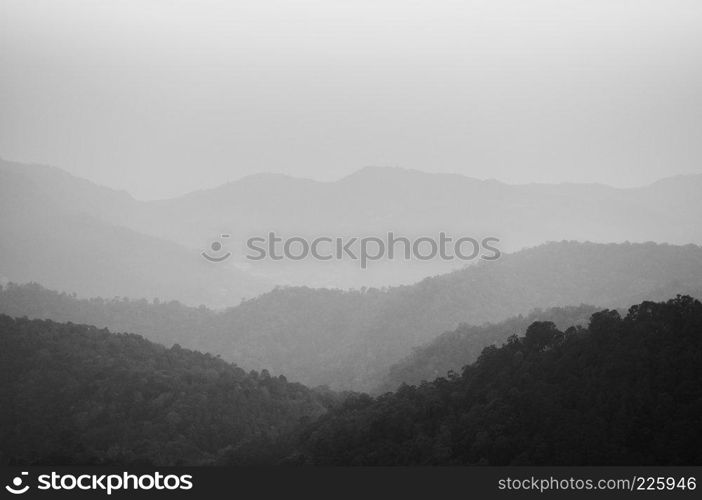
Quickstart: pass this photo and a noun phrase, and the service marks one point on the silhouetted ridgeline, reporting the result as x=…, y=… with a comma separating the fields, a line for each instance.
x=71, y=234
x=623, y=391
x=76, y=394
x=349, y=339
x=452, y=350
x=165, y=322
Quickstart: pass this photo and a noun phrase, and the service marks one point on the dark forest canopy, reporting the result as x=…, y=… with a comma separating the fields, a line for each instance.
x=76, y=394
x=348, y=339
x=452, y=350
x=623, y=391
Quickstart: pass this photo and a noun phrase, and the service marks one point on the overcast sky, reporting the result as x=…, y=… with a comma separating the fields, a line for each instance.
x=161, y=97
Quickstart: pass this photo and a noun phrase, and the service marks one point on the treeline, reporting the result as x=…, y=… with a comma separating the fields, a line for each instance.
x=621, y=391
x=452, y=350
x=75, y=394
x=349, y=339
x=165, y=322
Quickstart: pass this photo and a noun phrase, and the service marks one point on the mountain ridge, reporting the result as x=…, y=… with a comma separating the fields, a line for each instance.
x=349, y=339
x=405, y=202
x=18, y=166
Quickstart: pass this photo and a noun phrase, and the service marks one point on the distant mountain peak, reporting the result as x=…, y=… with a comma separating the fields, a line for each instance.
x=53, y=177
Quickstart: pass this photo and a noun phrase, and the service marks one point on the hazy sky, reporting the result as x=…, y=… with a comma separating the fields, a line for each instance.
x=160, y=97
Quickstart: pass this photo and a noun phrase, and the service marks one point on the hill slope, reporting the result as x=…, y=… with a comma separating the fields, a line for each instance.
x=370, y=202
x=376, y=200
x=76, y=394
x=452, y=350
x=624, y=391
x=65, y=233
x=349, y=339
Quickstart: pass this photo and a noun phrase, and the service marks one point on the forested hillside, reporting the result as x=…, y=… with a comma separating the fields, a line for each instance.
x=349, y=339
x=165, y=322
x=623, y=391
x=452, y=350
x=76, y=394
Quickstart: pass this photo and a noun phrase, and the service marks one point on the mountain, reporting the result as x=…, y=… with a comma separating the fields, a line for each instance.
x=368, y=203
x=376, y=200
x=349, y=339
x=450, y=351
x=74, y=394
x=621, y=392
x=65, y=232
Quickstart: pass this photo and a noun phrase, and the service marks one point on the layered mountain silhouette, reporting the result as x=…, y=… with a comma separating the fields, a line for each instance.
x=349, y=339
x=451, y=351
x=70, y=234
x=134, y=266
x=620, y=390
x=624, y=390
x=73, y=235
x=376, y=200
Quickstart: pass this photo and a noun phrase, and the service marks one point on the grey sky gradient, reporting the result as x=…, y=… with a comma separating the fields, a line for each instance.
x=161, y=97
